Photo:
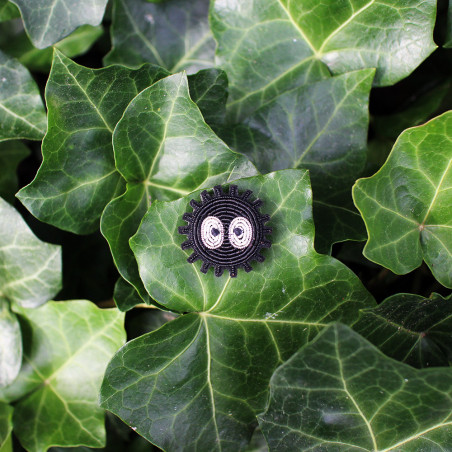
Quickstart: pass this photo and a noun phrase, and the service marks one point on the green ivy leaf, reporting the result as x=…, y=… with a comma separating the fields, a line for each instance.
x=67, y=346
x=406, y=204
x=22, y=113
x=6, y=412
x=49, y=21
x=8, y=11
x=164, y=150
x=10, y=346
x=270, y=46
x=30, y=270
x=126, y=296
x=11, y=154
x=78, y=176
x=321, y=126
x=340, y=393
x=411, y=329
x=205, y=374
x=209, y=90
x=77, y=43
x=448, y=43
x=174, y=34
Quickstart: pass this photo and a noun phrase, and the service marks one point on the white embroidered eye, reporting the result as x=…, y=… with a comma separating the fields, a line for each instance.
x=212, y=232
x=240, y=233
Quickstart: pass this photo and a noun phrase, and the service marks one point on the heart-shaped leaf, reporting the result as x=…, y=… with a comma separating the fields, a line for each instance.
x=199, y=380
x=10, y=346
x=411, y=329
x=11, y=154
x=30, y=270
x=164, y=150
x=174, y=34
x=406, y=204
x=323, y=127
x=67, y=346
x=78, y=176
x=49, y=21
x=341, y=393
x=270, y=46
x=6, y=425
x=22, y=113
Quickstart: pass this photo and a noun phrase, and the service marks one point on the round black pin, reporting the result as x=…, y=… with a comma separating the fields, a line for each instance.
x=226, y=231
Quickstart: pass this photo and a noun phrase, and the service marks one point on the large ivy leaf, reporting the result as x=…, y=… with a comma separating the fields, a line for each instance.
x=48, y=21
x=11, y=154
x=406, y=204
x=164, y=150
x=78, y=176
x=340, y=393
x=411, y=329
x=22, y=113
x=6, y=412
x=321, y=126
x=174, y=34
x=30, y=270
x=269, y=46
x=10, y=346
x=67, y=347
x=205, y=374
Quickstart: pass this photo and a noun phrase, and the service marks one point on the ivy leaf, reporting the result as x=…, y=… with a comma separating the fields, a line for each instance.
x=270, y=46
x=8, y=11
x=10, y=347
x=22, y=113
x=209, y=90
x=11, y=154
x=448, y=43
x=78, y=176
x=340, y=393
x=30, y=270
x=126, y=296
x=174, y=34
x=49, y=21
x=6, y=412
x=164, y=150
x=67, y=346
x=205, y=374
x=411, y=329
x=323, y=127
x=77, y=43
x=406, y=204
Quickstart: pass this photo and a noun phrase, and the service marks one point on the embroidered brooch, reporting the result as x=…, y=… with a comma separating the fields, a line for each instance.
x=225, y=231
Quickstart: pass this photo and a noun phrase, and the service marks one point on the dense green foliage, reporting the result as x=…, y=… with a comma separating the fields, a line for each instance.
x=114, y=115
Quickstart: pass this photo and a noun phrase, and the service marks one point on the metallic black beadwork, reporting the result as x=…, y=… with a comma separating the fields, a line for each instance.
x=225, y=208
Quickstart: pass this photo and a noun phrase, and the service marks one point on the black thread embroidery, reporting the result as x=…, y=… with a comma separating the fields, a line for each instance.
x=225, y=231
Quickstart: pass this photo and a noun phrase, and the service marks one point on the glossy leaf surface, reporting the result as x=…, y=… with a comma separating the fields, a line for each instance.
x=270, y=46
x=206, y=373
x=10, y=346
x=78, y=176
x=340, y=393
x=49, y=21
x=164, y=150
x=6, y=412
x=174, y=35
x=22, y=112
x=411, y=329
x=67, y=346
x=406, y=204
x=30, y=270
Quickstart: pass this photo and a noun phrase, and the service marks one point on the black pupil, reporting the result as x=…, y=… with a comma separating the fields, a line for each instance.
x=215, y=232
x=237, y=231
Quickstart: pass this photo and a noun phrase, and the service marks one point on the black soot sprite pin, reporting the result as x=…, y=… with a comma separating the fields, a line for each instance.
x=226, y=231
